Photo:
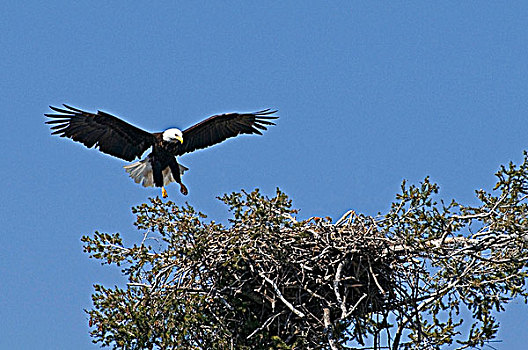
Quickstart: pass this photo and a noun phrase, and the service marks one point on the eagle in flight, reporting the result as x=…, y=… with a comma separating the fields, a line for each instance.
x=120, y=139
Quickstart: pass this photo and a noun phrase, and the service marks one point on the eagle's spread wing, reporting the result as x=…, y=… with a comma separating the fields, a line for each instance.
x=102, y=130
x=220, y=127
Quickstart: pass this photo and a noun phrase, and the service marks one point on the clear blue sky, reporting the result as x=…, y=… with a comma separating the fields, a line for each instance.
x=369, y=93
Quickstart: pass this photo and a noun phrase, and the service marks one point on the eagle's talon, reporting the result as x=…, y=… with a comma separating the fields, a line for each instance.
x=164, y=192
x=183, y=189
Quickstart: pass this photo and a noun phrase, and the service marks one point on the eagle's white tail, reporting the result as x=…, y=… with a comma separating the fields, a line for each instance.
x=141, y=172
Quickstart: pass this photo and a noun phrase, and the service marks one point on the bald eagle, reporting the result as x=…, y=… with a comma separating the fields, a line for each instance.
x=120, y=139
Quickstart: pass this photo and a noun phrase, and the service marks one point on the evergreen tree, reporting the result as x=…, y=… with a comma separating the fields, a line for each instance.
x=400, y=280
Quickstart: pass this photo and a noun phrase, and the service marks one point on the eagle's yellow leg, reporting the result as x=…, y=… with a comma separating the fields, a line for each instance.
x=164, y=192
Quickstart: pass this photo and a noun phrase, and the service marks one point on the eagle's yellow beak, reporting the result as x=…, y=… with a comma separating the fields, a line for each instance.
x=180, y=139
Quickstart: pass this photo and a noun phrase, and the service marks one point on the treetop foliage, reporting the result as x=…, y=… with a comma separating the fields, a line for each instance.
x=265, y=280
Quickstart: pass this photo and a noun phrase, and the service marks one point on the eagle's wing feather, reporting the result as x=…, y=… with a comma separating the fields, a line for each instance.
x=220, y=127
x=104, y=131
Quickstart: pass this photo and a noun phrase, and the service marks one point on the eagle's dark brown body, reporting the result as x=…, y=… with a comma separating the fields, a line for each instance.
x=162, y=156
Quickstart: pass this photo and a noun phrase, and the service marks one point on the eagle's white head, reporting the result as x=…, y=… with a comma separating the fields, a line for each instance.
x=173, y=135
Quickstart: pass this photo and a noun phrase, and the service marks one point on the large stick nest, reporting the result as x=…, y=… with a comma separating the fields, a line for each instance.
x=305, y=280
